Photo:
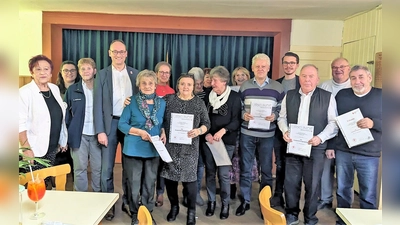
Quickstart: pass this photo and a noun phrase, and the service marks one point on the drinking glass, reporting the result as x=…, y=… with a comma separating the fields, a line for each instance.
x=36, y=190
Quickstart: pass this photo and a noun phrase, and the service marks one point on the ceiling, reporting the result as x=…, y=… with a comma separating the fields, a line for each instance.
x=284, y=9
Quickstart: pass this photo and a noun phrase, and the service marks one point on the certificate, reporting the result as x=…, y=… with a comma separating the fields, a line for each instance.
x=219, y=153
x=300, y=135
x=260, y=109
x=181, y=124
x=160, y=147
x=353, y=135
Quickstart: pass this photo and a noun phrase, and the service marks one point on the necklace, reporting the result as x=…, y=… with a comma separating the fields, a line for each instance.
x=45, y=95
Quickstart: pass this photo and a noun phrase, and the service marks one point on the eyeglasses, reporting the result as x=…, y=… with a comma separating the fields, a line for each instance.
x=69, y=71
x=340, y=67
x=115, y=52
x=289, y=63
x=163, y=72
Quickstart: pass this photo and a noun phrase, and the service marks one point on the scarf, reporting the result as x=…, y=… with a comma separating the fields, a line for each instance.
x=151, y=118
x=218, y=101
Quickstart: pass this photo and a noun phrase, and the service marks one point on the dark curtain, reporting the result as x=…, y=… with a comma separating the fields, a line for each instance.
x=184, y=51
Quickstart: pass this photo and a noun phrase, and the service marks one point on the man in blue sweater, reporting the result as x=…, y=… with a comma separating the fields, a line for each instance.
x=363, y=158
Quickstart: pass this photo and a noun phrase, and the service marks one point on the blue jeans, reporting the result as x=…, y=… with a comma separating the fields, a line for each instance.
x=367, y=174
x=248, y=147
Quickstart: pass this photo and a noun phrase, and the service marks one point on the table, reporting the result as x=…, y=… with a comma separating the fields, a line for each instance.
x=69, y=207
x=353, y=216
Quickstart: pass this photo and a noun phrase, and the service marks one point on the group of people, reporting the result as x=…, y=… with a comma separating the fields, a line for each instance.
x=90, y=115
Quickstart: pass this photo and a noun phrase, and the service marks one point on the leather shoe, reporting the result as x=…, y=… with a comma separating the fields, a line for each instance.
x=125, y=208
x=323, y=205
x=277, y=200
x=224, y=212
x=173, y=213
x=241, y=210
x=210, y=208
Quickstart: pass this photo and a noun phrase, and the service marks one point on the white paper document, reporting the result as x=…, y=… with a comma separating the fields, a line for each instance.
x=181, y=124
x=353, y=135
x=160, y=147
x=300, y=135
x=260, y=109
x=219, y=153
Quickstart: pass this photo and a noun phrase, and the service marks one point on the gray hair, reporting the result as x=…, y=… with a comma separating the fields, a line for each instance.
x=221, y=72
x=197, y=72
x=339, y=58
x=162, y=63
x=360, y=67
x=146, y=73
x=310, y=65
x=261, y=56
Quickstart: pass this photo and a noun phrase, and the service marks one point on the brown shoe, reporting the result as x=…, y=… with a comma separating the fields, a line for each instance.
x=159, y=200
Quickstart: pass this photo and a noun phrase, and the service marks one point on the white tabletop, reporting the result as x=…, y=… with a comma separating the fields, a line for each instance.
x=69, y=207
x=353, y=216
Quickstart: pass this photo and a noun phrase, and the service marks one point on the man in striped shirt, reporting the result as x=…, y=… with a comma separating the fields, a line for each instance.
x=267, y=92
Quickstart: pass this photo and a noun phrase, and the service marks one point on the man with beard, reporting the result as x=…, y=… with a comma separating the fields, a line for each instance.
x=290, y=63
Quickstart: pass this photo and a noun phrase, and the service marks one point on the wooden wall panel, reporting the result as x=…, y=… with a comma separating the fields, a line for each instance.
x=321, y=56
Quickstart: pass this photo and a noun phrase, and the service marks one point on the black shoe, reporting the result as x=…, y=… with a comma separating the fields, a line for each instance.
x=224, y=212
x=277, y=200
x=125, y=208
x=191, y=217
x=135, y=221
x=241, y=210
x=184, y=201
x=323, y=205
x=110, y=214
x=210, y=208
x=173, y=213
x=233, y=191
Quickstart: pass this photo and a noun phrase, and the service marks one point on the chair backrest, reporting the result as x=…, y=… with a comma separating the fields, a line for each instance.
x=59, y=172
x=271, y=216
x=144, y=216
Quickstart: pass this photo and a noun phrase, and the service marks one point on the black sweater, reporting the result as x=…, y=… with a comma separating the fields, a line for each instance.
x=371, y=107
x=228, y=116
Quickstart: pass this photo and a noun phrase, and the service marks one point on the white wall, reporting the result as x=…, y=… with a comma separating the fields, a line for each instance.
x=317, y=42
x=30, y=38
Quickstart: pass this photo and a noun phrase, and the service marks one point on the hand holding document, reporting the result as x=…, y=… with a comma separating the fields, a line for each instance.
x=260, y=109
x=181, y=124
x=353, y=134
x=300, y=135
x=219, y=153
x=160, y=147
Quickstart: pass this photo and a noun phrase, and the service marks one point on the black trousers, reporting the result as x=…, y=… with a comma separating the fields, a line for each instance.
x=280, y=146
x=308, y=170
x=190, y=189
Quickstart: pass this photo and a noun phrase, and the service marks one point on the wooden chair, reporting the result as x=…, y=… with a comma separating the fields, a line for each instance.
x=271, y=216
x=144, y=216
x=59, y=172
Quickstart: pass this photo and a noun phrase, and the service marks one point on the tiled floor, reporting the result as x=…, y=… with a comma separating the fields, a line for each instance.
x=326, y=216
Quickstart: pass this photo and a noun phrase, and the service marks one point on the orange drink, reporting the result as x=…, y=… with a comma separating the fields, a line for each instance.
x=36, y=189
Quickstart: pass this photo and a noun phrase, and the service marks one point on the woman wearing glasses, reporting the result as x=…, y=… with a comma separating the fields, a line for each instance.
x=67, y=76
x=184, y=154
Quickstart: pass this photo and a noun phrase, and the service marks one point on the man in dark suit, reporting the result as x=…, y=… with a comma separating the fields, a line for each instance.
x=113, y=85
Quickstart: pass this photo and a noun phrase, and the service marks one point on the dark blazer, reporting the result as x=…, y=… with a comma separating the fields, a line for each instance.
x=297, y=81
x=75, y=115
x=103, y=98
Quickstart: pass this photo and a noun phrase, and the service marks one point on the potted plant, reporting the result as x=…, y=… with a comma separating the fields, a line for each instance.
x=24, y=161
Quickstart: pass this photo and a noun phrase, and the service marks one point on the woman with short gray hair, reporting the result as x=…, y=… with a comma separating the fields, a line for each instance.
x=224, y=110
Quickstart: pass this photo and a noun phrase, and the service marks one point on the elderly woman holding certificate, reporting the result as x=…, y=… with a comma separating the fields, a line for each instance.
x=140, y=120
x=224, y=110
x=185, y=120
